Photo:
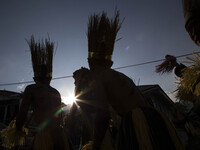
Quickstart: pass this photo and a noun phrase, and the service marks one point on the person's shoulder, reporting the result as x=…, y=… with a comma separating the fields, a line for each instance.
x=30, y=87
x=118, y=75
x=55, y=91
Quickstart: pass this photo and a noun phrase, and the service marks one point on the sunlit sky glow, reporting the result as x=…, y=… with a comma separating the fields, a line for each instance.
x=151, y=30
x=68, y=99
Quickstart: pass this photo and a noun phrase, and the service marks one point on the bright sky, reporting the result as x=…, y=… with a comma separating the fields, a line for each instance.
x=151, y=30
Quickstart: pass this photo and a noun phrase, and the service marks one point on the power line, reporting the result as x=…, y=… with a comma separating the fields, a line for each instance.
x=122, y=67
x=149, y=62
x=16, y=83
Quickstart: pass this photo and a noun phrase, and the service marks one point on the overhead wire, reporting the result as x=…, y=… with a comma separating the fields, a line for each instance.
x=117, y=68
x=149, y=62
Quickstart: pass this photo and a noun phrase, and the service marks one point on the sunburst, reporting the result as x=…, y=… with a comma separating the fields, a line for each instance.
x=70, y=99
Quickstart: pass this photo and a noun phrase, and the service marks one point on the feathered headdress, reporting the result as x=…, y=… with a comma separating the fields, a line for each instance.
x=191, y=10
x=42, y=56
x=189, y=84
x=102, y=33
x=185, y=95
x=168, y=65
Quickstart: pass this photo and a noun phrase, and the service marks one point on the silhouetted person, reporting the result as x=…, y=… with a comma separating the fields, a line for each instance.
x=44, y=99
x=102, y=91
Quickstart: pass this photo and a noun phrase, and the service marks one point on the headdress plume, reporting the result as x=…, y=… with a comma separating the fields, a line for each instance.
x=167, y=66
x=102, y=33
x=42, y=56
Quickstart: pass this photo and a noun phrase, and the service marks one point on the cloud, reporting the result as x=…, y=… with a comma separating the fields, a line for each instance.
x=21, y=86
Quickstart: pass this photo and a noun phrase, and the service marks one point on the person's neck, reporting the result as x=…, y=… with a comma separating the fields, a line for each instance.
x=43, y=83
x=99, y=68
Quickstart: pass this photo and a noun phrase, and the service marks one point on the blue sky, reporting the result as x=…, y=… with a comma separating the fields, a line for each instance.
x=151, y=30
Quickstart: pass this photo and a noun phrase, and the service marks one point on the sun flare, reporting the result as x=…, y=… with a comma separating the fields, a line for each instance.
x=68, y=99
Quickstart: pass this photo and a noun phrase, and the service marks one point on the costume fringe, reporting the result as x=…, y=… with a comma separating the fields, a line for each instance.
x=147, y=129
x=11, y=137
x=106, y=143
x=142, y=130
x=172, y=132
x=193, y=128
x=88, y=146
x=44, y=140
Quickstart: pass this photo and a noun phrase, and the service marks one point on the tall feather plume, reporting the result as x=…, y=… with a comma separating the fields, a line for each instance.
x=167, y=66
x=102, y=32
x=41, y=53
x=190, y=81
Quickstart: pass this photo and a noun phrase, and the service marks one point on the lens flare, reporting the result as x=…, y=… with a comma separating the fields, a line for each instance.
x=46, y=122
x=68, y=99
x=126, y=49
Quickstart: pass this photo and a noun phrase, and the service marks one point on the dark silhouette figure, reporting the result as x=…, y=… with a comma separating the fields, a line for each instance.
x=44, y=100
x=105, y=94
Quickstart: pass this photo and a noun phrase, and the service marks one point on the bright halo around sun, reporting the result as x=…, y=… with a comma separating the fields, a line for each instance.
x=68, y=99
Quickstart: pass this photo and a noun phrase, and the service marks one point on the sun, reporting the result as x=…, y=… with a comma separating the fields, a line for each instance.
x=68, y=99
